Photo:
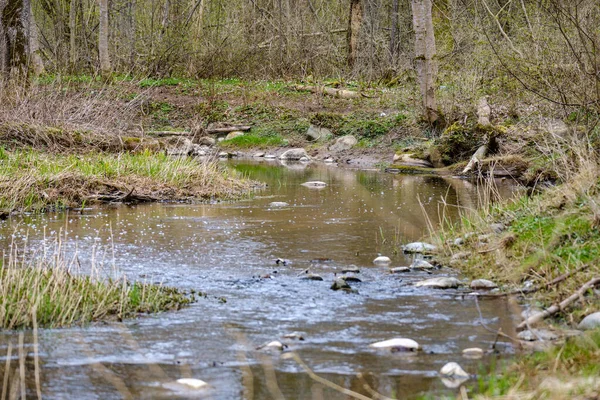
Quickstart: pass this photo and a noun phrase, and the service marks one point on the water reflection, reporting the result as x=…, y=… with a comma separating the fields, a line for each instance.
x=224, y=249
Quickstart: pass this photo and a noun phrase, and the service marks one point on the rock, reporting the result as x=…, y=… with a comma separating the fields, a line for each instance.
x=294, y=154
x=274, y=345
x=281, y=261
x=179, y=147
x=410, y=161
x=192, y=383
x=461, y=255
x=350, y=278
x=270, y=157
x=419, y=247
x=531, y=335
x=305, y=159
x=258, y=155
x=207, y=141
x=421, y=264
x=354, y=270
x=399, y=270
x=453, y=383
x=293, y=336
x=278, y=204
x=472, y=352
x=459, y=241
x=382, y=260
x=224, y=154
x=340, y=284
x=314, y=184
x=453, y=370
x=315, y=133
x=329, y=160
x=592, y=321
x=233, y=135
x=398, y=344
x=439, y=283
x=482, y=284
x=312, y=277
x=344, y=143
x=497, y=228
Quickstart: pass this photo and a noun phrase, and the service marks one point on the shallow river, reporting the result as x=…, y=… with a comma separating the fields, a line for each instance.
x=226, y=250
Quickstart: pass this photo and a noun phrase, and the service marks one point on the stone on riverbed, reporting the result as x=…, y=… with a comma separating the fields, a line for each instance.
x=419, y=247
x=439, y=283
x=482, y=284
x=258, y=155
x=294, y=154
x=350, y=278
x=354, y=270
x=398, y=344
x=382, y=260
x=192, y=383
x=592, y=321
x=421, y=264
x=399, y=270
x=274, y=345
x=532, y=335
x=312, y=277
x=315, y=184
x=340, y=284
x=270, y=156
x=453, y=370
x=472, y=352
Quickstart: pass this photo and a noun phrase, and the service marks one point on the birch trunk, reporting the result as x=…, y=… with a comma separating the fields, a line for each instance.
x=105, y=67
x=72, y=33
x=354, y=23
x=425, y=56
x=35, y=59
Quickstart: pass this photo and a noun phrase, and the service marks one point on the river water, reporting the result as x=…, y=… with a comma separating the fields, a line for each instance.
x=228, y=250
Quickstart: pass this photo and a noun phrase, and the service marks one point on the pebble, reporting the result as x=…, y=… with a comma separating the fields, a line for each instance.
x=274, y=345
x=537, y=334
x=382, y=260
x=270, y=157
x=459, y=241
x=353, y=270
x=419, y=247
x=294, y=336
x=453, y=370
x=439, y=283
x=278, y=204
x=340, y=284
x=421, y=264
x=258, y=155
x=399, y=270
x=398, y=344
x=193, y=383
x=472, y=352
x=592, y=321
x=482, y=284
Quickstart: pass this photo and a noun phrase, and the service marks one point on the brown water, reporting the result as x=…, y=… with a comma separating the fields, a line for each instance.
x=224, y=249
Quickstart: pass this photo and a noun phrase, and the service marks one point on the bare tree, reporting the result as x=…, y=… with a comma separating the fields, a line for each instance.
x=105, y=66
x=425, y=56
x=354, y=23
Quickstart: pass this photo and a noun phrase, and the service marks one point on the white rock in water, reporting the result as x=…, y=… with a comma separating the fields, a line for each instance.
x=304, y=159
x=421, y=264
x=223, y=154
x=590, y=322
x=193, y=383
x=473, y=352
x=270, y=157
x=382, y=260
x=483, y=284
x=314, y=184
x=258, y=155
x=398, y=344
x=274, y=345
x=278, y=204
x=399, y=270
x=439, y=283
x=419, y=247
x=453, y=370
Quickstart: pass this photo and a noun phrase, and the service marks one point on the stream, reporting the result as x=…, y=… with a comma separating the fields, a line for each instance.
x=228, y=251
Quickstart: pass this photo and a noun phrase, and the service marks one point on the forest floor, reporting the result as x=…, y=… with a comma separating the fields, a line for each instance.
x=74, y=141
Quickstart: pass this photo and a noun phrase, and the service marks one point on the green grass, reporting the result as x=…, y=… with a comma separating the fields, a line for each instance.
x=254, y=140
x=35, y=181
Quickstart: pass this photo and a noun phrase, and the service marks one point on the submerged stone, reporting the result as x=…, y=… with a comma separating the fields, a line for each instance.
x=397, y=344
x=314, y=184
x=399, y=270
x=453, y=370
x=278, y=204
x=473, y=352
x=421, y=264
x=340, y=284
x=382, y=260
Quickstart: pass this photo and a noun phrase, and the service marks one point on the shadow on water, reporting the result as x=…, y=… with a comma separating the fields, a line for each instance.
x=228, y=250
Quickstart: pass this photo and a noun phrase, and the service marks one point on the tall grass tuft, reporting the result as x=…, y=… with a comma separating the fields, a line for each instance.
x=50, y=289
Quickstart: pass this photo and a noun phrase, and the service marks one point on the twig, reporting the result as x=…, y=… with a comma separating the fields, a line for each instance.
x=498, y=332
x=560, y=306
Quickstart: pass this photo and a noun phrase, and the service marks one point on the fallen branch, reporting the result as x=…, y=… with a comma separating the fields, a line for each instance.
x=169, y=133
x=228, y=129
x=339, y=93
x=476, y=158
x=560, y=306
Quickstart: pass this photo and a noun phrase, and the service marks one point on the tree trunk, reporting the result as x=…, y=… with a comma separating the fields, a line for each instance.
x=72, y=33
x=35, y=60
x=4, y=54
x=425, y=56
x=394, y=31
x=105, y=67
x=354, y=24
x=14, y=41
